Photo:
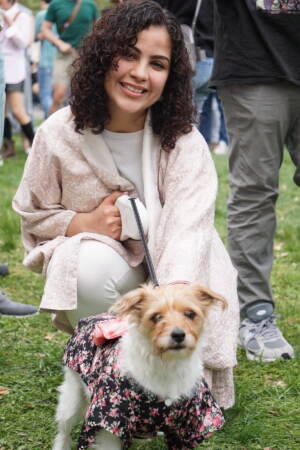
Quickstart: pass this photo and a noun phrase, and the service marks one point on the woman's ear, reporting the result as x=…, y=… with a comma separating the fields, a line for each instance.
x=129, y=303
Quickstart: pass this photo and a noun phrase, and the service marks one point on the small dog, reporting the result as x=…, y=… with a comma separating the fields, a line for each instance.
x=158, y=357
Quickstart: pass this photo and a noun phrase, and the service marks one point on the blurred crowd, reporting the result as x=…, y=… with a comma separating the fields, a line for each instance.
x=34, y=62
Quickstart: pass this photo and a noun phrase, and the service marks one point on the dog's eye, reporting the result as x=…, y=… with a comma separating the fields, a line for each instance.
x=155, y=318
x=190, y=314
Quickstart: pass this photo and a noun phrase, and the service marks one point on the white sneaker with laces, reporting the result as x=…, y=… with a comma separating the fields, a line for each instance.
x=221, y=148
x=263, y=341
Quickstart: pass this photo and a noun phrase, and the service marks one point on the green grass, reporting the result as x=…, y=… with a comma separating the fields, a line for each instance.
x=267, y=411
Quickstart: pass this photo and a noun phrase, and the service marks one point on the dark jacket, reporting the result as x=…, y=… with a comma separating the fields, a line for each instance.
x=256, y=43
x=184, y=11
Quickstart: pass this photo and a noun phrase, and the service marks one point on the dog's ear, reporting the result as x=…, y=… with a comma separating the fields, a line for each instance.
x=206, y=297
x=129, y=303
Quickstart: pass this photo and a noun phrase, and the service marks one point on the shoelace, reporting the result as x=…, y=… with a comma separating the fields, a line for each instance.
x=267, y=327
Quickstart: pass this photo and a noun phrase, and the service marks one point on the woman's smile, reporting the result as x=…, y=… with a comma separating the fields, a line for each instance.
x=132, y=90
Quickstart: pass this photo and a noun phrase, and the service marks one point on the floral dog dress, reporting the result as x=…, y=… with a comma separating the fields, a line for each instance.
x=119, y=405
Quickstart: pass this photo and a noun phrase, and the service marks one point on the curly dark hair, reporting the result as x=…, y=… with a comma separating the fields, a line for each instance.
x=111, y=37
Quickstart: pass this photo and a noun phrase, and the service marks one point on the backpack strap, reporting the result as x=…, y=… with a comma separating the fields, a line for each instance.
x=196, y=15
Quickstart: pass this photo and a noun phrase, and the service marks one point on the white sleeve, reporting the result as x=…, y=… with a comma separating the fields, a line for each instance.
x=21, y=32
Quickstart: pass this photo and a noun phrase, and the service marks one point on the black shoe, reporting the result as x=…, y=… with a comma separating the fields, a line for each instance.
x=8, y=149
x=3, y=270
x=10, y=308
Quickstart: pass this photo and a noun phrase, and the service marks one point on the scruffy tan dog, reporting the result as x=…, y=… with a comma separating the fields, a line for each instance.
x=153, y=372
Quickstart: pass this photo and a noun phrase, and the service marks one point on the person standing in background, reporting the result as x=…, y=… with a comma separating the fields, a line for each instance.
x=47, y=55
x=2, y=93
x=7, y=306
x=17, y=35
x=73, y=19
x=184, y=12
x=257, y=73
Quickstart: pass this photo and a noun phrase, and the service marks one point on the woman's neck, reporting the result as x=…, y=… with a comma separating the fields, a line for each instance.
x=120, y=123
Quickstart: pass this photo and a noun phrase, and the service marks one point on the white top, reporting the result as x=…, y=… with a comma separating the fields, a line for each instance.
x=15, y=39
x=126, y=150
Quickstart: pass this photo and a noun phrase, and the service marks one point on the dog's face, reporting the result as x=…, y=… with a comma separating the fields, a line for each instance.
x=171, y=317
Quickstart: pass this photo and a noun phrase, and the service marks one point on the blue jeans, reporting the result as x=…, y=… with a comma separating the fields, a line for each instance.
x=205, y=126
x=200, y=82
x=2, y=98
x=45, y=84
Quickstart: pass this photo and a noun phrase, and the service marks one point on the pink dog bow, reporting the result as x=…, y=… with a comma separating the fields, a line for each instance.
x=109, y=329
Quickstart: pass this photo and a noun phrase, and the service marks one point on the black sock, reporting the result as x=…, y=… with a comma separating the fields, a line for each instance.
x=28, y=131
x=7, y=129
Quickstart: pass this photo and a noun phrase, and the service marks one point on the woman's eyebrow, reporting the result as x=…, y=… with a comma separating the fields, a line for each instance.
x=136, y=49
x=160, y=57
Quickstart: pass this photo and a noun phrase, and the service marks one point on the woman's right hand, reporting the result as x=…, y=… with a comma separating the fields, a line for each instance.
x=105, y=219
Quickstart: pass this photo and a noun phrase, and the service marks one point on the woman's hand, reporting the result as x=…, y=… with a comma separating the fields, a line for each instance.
x=105, y=219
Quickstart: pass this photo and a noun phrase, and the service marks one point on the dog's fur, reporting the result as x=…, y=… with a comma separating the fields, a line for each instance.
x=161, y=350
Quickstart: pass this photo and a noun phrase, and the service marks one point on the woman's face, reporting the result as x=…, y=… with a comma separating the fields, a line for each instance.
x=140, y=78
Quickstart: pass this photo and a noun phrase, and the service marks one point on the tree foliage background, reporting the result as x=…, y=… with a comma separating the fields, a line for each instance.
x=34, y=5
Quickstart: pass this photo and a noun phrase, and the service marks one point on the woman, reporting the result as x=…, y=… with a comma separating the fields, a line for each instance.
x=17, y=35
x=128, y=129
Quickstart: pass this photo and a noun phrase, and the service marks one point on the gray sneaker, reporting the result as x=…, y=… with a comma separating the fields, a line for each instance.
x=15, y=309
x=263, y=341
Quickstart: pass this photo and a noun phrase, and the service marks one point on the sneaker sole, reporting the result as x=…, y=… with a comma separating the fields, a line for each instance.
x=19, y=316
x=253, y=357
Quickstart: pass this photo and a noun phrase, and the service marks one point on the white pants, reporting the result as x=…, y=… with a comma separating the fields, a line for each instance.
x=103, y=276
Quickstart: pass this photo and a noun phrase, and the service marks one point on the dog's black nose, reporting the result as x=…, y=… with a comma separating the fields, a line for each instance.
x=178, y=335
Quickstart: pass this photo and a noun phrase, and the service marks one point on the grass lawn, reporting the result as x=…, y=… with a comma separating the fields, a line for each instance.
x=267, y=410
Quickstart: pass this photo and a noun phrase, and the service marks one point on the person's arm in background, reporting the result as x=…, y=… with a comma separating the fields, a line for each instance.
x=47, y=32
x=21, y=31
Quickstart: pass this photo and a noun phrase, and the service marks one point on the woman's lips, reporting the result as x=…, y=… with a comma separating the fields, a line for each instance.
x=132, y=91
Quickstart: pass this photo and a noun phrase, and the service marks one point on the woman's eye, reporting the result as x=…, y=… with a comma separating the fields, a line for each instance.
x=158, y=65
x=190, y=314
x=155, y=318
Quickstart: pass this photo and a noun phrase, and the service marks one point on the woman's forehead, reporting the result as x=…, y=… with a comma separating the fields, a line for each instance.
x=155, y=40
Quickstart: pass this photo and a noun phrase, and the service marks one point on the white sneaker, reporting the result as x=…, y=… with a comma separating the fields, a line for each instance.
x=221, y=148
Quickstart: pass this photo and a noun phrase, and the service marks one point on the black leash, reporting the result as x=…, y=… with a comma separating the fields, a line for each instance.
x=149, y=262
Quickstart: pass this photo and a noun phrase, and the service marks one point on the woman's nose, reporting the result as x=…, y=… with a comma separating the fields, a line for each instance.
x=139, y=70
